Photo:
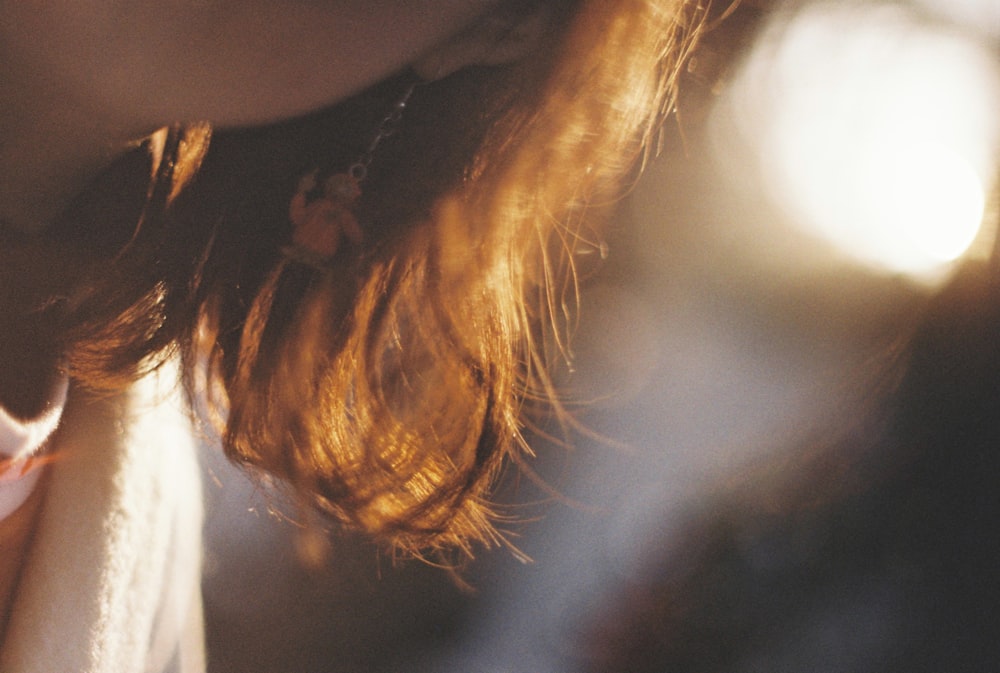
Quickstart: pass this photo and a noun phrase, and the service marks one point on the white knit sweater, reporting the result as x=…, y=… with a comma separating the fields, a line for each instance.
x=111, y=583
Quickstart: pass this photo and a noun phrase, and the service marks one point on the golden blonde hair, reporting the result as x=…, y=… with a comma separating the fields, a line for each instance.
x=388, y=390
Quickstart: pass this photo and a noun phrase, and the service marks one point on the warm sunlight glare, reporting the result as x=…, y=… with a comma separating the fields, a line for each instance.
x=980, y=15
x=876, y=130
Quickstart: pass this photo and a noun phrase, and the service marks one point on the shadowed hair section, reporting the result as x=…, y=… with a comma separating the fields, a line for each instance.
x=388, y=389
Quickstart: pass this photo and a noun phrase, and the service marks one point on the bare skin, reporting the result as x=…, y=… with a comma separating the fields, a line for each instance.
x=82, y=82
x=15, y=534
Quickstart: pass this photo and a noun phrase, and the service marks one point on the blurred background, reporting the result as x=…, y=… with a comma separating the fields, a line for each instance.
x=770, y=479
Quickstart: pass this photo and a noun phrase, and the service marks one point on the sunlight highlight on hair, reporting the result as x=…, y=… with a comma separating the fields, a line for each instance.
x=389, y=388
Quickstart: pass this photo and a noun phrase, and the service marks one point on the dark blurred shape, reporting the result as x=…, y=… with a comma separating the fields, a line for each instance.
x=888, y=565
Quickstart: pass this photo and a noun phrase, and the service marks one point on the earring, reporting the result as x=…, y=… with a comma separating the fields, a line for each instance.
x=322, y=209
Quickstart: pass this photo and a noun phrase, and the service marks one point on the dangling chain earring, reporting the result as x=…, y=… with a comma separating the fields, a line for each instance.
x=322, y=212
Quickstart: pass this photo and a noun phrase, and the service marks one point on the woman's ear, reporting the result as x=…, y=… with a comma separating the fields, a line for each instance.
x=502, y=36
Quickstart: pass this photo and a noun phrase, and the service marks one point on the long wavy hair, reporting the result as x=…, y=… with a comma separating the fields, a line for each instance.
x=388, y=389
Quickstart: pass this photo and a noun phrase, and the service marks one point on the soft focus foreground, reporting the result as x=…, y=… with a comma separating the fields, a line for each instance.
x=808, y=202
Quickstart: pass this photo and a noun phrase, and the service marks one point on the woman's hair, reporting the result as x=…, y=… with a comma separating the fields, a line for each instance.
x=388, y=389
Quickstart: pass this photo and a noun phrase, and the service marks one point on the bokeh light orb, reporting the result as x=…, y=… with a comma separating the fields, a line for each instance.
x=875, y=129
